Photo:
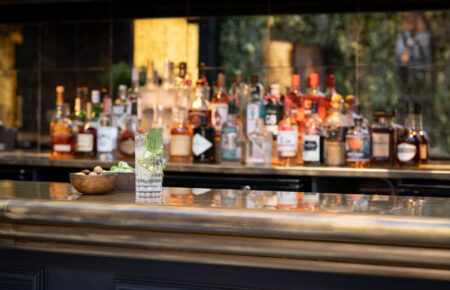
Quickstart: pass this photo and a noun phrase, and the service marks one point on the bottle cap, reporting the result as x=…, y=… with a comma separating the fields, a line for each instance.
x=134, y=74
x=95, y=96
x=313, y=80
x=274, y=89
x=330, y=81
x=295, y=80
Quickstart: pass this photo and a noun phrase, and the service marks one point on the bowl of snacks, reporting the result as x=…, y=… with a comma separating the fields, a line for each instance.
x=93, y=182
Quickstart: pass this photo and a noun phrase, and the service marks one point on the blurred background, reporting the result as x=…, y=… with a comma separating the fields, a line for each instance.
x=385, y=58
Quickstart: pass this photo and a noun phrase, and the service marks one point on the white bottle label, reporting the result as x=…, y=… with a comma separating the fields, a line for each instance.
x=61, y=147
x=85, y=142
x=256, y=150
x=287, y=143
x=423, y=151
x=200, y=144
x=380, y=145
x=311, y=148
x=219, y=114
x=107, y=138
x=252, y=117
x=180, y=145
x=406, y=152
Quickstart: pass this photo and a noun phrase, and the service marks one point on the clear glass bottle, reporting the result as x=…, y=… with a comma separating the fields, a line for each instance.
x=96, y=106
x=254, y=110
x=181, y=139
x=166, y=101
x=259, y=146
x=357, y=145
x=183, y=88
x=336, y=126
x=238, y=94
x=78, y=116
x=87, y=136
x=313, y=139
x=273, y=116
x=134, y=91
x=382, y=140
x=408, y=146
x=148, y=101
x=62, y=137
x=119, y=110
x=231, y=138
x=203, y=142
x=219, y=105
x=425, y=140
x=106, y=133
x=287, y=138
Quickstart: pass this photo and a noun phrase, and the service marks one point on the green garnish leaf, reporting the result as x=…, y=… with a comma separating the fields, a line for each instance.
x=154, y=141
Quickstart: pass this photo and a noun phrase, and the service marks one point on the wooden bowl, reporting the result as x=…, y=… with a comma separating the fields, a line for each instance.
x=93, y=184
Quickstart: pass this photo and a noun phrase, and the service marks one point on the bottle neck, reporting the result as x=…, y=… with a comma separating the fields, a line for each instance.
x=419, y=121
x=411, y=121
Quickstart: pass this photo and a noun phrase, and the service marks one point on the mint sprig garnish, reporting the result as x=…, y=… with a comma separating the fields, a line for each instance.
x=154, y=142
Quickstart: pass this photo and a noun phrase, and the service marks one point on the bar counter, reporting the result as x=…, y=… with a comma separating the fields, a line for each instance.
x=343, y=235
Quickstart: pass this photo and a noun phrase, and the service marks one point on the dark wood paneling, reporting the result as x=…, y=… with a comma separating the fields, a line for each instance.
x=21, y=279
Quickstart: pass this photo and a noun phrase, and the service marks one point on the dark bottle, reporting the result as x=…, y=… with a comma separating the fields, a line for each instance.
x=203, y=142
x=87, y=136
x=425, y=141
x=382, y=140
x=313, y=139
x=408, y=147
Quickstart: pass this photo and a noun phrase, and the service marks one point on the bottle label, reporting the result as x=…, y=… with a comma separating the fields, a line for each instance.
x=200, y=144
x=380, y=145
x=61, y=147
x=271, y=121
x=311, y=148
x=423, y=151
x=219, y=114
x=406, y=152
x=287, y=198
x=335, y=153
x=252, y=117
x=357, y=149
x=180, y=145
x=195, y=117
x=85, y=142
x=287, y=143
x=118, y=110
x=127, y=146
x=229, y=148
x=256, y=149
x=107, y=138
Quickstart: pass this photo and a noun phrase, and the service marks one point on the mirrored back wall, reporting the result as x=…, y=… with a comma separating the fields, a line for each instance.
x=384, y=58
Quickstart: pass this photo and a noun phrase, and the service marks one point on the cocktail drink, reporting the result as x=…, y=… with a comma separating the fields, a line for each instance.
x=149, y=167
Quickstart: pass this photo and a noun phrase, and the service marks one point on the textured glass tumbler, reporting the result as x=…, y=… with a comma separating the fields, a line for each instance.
x=148, y=173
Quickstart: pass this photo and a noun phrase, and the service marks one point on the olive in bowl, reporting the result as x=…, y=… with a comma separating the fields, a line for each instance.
x=93, y=182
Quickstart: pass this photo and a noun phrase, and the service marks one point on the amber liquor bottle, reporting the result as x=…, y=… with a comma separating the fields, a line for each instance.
x=382, y=140
x=62, y=138
x=425, y=140
x=181, y=139
x=408, y=147
x=87, y=136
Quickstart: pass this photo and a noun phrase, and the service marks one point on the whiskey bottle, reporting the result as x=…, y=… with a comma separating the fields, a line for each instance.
x=126, y=140
x=313, y=139
x=382, y=140
x=87, y=136
x=336, y=126
x=62, y=138
x=231, y=138
x=203, y=142
x=219, y=105
x=181, y=139
x=408, y=147
x=287, y=138
x=357, y=145
x=425, y=141
x=78, y=116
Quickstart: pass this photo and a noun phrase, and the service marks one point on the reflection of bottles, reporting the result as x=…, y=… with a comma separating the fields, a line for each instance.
x=63, y=142
x=287, y=200
x=148, y=101
x=313, y=140
x=181, y=139
x=287, y=138
x=425, y=141
x=255, y=200
x=408, y=146
x=181, y=196
x=382, y=140
x=87, y=136
x=232, y=138
x=259, y=146
x=357, y=147
x=203, y=142
x=310, y=201
x=336, y=125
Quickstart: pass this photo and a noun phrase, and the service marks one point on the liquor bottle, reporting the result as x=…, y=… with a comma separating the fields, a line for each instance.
x=134, y=91
x=126, y=140
x=312, y=94
x=183, y=88
x=198, y=108
x=425, y=141
x=106, y=133
x=313, y=139
x=357, y=145
x=148, y=101
x=219, y=105
x=238, y=94
x=202, y=81
x=87, y=136
x=181, y=139
x=254, y=110
x=336, y=126
x=382, y=140
x=96, y=108
x=273, y=115
x=352, y=111
x=254, y=80
x=78, y=116
x=259, y=146
x=292, y=98
x=203, y=142
x=82, y=93
x=287, y=138
x=232, y=138
x=398, y=129
x=329, y=93
x=62, y=138
x=119, y=109
x=408, y=146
